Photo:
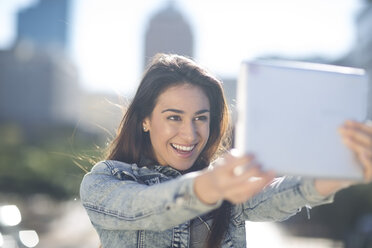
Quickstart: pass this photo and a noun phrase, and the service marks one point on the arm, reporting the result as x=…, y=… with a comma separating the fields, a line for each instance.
x=257, y=197
x=116, y=204
x=282, y=199
x=233, y=178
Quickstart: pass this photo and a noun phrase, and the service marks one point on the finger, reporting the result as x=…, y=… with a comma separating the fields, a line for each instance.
x=241, y=169
x=359, y=135
x=249, y=183
x=248, y=189
x=366, y=161
x=230, y=161
x=238, y=166
x=365, y=127
x=364, y=156
x=229, y=179
x=357, y=147
x=223, y=173
x=248, y=172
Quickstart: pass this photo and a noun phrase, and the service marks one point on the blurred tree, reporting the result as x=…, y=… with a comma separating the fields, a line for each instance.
x=42, y=159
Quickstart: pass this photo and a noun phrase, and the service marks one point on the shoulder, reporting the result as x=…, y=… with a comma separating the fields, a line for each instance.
x=112, y=166
x=122, y=171
x=118, y=169
x=111, y=169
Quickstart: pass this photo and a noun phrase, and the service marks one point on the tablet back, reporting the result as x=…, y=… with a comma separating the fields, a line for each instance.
x=289, y=113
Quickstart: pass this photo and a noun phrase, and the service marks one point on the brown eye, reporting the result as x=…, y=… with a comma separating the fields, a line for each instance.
x=174, y=118
x=201, y=118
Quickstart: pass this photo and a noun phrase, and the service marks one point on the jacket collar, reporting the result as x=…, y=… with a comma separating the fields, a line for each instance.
x=165, y=170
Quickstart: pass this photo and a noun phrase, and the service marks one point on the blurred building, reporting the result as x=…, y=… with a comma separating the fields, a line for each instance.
x=361, y=56
x=229, y=86
x=38, y=82
x=168, y=32
x=37, y=87
x=45, y=24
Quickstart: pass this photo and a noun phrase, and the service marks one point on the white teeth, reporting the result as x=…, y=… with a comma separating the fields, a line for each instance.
x=183, y=148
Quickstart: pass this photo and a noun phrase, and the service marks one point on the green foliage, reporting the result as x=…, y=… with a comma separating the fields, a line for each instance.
x=49, y=159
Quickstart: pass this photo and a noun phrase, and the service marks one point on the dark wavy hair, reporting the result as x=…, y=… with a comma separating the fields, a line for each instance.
x=131, y=143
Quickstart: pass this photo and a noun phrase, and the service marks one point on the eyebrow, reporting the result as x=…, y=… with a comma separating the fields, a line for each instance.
x=182, y=112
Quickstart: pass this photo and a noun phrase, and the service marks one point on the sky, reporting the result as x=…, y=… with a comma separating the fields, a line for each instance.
x=106, y=37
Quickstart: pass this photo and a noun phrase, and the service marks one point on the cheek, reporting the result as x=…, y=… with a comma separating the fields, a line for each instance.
x=163, y=132
x=205, y=133
x=168, y=130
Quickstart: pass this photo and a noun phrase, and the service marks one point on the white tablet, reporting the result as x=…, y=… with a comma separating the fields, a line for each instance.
x=289, y=113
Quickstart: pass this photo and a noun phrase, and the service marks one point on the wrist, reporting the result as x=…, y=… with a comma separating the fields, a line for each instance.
x=327, y=187
x=205, y=189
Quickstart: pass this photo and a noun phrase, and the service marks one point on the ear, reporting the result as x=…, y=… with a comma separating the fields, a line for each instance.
x=146, y=124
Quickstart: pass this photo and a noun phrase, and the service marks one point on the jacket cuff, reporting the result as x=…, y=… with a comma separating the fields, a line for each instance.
x=187, y=198
x=312, y=196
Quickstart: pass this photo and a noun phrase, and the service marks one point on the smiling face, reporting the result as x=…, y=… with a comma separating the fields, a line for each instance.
x=179, y=126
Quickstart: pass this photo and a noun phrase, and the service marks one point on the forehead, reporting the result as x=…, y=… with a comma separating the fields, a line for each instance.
x=183, y=97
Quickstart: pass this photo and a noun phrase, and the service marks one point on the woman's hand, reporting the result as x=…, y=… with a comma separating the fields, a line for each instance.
x=234, y=178
x=358, y=138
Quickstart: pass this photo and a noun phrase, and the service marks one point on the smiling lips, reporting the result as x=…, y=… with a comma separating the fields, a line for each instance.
x=183, y=149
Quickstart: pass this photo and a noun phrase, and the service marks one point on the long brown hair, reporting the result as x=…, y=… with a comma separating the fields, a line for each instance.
x=131, y=143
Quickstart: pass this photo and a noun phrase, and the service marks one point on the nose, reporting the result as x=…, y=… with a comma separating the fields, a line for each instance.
x=189, y=132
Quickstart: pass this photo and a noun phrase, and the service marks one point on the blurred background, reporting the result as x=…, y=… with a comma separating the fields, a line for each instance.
x=67, y=67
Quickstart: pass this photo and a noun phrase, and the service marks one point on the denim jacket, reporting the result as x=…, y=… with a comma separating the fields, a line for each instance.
x=131, y=206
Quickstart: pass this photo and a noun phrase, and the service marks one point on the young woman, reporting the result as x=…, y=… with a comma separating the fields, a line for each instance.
x=169, y=181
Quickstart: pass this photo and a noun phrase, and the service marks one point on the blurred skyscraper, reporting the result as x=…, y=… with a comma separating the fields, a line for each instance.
x=363, y=54
x=364, y=38
x=360, y=55
x=36, y=87
x=168, y=32
x=39, y=84
x=45, y=24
